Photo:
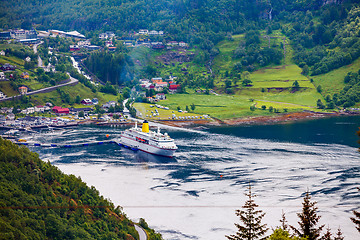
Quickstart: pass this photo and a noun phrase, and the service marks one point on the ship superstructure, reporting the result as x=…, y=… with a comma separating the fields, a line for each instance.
x=148, y=141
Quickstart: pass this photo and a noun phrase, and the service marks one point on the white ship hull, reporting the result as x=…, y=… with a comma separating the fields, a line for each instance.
x=128, y=142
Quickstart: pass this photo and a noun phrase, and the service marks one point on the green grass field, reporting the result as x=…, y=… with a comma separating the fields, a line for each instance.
x=147, y=112
x=333, y=82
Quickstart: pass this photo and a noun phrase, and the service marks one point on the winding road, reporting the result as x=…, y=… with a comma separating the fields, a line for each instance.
x=141, y=231
x=72, y=81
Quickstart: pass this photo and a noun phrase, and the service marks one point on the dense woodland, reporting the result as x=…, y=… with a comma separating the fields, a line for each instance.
x=38, y=201
x=324, y=33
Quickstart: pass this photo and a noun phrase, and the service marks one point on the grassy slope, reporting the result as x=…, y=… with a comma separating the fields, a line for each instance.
x=238, y=105
x=333, y=82
x=164, y=114
x=79, y=89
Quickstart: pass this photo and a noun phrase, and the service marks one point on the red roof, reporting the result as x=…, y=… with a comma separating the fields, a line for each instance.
x=58, y=109
x=63, y=110
x=174, y=86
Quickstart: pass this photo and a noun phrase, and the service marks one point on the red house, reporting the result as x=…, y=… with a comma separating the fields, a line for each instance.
x=60, y=110
x=174, y=87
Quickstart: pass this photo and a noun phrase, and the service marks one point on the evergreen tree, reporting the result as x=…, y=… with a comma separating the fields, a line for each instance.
x=327, y=235
x=356, y=219
x=339, y=235
x=283, y=221
x=308, y=220
x=251, y=227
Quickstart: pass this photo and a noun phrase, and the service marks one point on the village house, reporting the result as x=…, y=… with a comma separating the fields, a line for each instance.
x=174, y=87
x=150, y=99
x=60, y=110
x=161, y=85
x=109, y=104
x=144, y=81
x=153, y=32
x=76, y=111
x=2, y=95
x=2, y=76
x=172, y=43
x=156, y=80
x=143, y=31
x=86, y=101
x=106, y=35
x=2, y=53
x=92, y=47
x=27, y=59
x=39, y=108
x=23, y=90
x=6, y=110
x=157, y=45
x=25, y=75
x=74, y=48
x=84, y=43
x=183, y=44
x=95, y=101
x=10, y=117
x=160, y=96
x=103, y=36
x=8, y=67
x=108, y=43
x=30, y=110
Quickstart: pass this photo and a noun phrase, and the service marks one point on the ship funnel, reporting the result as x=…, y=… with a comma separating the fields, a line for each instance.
x=145, y=126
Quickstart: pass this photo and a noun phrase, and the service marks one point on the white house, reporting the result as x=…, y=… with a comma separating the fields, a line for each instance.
x=143, y=31
x=2, y=95
x=153, y=32
x=2, y=76
x=30, y=110
x=183, y=44
x=39, y=108
x=160, y=96
x=103, y=36
x=27, y=59
x=10, y=116
x=84, y=43
x=2, y=53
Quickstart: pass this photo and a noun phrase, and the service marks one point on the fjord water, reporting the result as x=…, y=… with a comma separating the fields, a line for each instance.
x=195, y=194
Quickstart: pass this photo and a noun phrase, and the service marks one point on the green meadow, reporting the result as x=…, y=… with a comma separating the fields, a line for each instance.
x=147, y=111
x=333, y=82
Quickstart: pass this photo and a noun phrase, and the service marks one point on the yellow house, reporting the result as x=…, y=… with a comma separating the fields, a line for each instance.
x=25, y=75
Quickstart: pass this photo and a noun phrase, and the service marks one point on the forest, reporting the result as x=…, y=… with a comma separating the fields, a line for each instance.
x=324, y=35
x=38, y=201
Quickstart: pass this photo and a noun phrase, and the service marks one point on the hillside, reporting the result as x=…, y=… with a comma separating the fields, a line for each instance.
x=38, y=201
x=272, y=52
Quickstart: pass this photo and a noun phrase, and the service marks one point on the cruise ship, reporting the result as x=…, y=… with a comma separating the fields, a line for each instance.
x=148, y=141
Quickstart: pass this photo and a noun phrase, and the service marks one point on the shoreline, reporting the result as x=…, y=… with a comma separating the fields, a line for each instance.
x=258, y=120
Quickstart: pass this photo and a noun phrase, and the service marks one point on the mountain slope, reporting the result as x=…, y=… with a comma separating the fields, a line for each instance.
x=38, y=201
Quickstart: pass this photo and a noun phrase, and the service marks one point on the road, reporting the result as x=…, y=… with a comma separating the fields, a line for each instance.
x=73, y=81
x=40, y=62
x=141, y=231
